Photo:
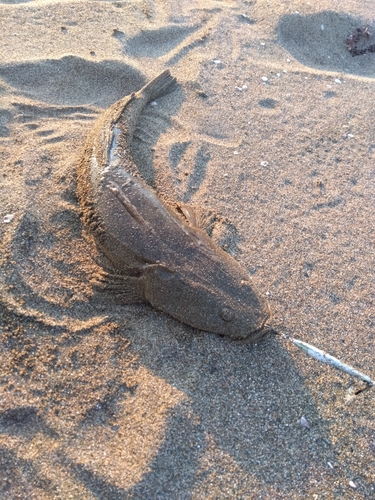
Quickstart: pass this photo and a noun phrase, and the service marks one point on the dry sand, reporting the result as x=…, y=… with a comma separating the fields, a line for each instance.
x=114, y=402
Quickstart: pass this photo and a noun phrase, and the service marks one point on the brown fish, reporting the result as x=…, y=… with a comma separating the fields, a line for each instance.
x=157, y=255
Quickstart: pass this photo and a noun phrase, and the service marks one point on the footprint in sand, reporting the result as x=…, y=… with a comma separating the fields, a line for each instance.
x=72, y=81
x=156, y=43
x=169, y=43
x=318, y=41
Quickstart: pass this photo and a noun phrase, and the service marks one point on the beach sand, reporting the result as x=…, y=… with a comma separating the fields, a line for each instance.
x=272, y=126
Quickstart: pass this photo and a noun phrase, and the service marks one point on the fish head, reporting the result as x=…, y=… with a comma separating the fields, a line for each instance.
x=232, y=307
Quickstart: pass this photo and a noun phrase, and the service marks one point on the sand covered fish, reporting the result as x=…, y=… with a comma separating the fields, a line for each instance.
x=156, y=254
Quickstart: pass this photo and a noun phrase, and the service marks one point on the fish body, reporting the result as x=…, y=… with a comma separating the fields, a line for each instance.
x=158, y=256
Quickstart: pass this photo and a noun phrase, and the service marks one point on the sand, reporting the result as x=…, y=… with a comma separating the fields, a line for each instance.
x=272, y=127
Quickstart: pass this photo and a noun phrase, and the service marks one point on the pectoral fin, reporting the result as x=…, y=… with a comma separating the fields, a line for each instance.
x=217, y=227
x=204, y=219
x=189, y=213
x=121, y=288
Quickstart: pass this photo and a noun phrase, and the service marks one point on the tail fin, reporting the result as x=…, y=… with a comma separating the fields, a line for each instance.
x=161, y=85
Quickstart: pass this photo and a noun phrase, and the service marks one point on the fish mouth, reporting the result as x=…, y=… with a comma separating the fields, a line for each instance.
x=262, y=331
x=259, y=334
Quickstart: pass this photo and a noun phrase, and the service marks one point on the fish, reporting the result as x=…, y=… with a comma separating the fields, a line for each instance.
x=156, y=250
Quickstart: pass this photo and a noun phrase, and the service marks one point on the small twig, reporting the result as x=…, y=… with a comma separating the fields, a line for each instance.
x=324, y=357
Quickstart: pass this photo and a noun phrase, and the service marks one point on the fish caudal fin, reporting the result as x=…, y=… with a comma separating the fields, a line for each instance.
x=159, y=86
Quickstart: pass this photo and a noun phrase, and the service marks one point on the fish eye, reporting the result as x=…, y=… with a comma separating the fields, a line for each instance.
x=227, y=314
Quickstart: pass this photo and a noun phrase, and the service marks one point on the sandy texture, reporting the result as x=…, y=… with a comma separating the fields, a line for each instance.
x=272, y=127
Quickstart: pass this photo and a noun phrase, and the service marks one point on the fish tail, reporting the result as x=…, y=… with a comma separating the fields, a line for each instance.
x=159, y=86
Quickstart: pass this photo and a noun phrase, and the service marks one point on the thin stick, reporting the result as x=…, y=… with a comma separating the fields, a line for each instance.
x=324, y=357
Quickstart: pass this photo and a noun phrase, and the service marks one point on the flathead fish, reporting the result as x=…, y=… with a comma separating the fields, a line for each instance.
x=156, y=254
